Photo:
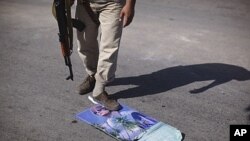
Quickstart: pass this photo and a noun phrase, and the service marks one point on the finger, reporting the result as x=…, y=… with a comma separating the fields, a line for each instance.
x=121, y=19
x=125, y=21
x=121, y=15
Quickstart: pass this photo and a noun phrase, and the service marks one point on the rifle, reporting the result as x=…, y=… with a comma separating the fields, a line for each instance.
x=62, y=12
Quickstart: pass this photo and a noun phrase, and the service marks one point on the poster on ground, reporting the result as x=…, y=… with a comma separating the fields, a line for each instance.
x=128, y=124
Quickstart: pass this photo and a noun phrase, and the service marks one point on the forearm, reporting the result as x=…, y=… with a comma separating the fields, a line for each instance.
x=131, y=3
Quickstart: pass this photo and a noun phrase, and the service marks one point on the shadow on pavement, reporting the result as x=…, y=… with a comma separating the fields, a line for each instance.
x=248, y=110
x=170, y=78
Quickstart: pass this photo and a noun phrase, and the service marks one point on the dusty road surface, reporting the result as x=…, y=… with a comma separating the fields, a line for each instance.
x=184, y=62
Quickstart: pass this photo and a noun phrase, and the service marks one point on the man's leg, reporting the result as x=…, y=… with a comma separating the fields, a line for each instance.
x=110, y=36
x=111, y=31
x=87, y=48
x=87, y=41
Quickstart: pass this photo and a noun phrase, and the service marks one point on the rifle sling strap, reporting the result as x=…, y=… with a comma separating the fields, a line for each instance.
x=90, y=12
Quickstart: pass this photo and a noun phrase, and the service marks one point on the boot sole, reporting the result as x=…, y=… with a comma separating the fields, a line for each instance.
x=91, y=99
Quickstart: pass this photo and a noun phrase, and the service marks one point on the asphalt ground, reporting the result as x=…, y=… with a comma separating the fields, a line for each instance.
x=184, y=62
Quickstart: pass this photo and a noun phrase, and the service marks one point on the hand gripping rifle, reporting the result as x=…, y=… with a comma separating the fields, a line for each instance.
x=62, y=12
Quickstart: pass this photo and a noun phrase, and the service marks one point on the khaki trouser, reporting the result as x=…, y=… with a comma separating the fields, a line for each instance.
x=98, y=45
